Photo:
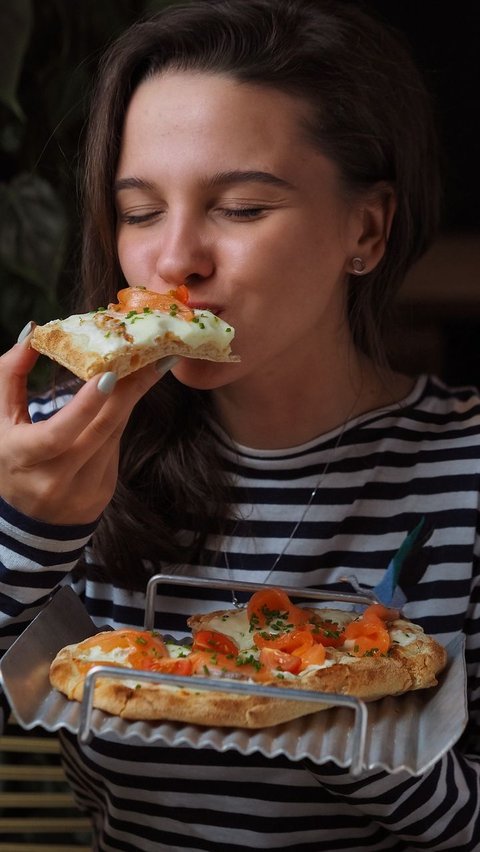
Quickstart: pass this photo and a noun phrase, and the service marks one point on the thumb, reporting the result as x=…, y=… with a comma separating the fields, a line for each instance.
x=140, y=381
x=15, y=365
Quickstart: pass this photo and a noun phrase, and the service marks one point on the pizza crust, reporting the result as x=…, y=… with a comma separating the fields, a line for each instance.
x=74, y=352
x=155, y=702
x=407, y=667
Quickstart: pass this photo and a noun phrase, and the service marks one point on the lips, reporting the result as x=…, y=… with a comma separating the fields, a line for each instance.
x=205, y=306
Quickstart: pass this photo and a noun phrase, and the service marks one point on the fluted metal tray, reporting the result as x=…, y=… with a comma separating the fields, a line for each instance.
x=409, y=732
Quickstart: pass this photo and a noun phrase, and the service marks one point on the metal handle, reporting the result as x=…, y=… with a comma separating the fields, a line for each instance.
x=173, y=579
x=358, y=738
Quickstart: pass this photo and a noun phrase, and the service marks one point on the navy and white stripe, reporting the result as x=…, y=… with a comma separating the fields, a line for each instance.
x=388, y=469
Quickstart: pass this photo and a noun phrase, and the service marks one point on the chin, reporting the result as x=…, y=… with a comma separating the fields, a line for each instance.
x=204, y=375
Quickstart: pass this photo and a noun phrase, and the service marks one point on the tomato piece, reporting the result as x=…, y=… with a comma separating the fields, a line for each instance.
x=213, y=640
x=272, y=608
x=217, y=665
x=143, y=647
x=313, y=656
x=170, y=665
x=385, y=613
x=279, y=661
x=181, y=293
x=367, y=636
x=302, y=649
x=327, y=633
x=284, y=641
x=126, y=638
x=138, y=298
x=84, y=666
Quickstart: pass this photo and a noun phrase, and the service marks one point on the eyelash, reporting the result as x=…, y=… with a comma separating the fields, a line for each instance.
x=128, y=219
x=229, y=213
x=243, y=212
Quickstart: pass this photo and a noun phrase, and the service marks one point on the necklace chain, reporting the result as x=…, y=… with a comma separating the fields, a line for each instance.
x=305, y=511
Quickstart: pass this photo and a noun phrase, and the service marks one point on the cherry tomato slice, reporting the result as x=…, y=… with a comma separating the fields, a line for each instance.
x=313, y=656
x=284, y=641
x=279, y=661
x=213, y=640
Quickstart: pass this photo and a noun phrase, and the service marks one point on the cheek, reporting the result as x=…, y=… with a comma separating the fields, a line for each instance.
x=293, y=251
x=134, y=257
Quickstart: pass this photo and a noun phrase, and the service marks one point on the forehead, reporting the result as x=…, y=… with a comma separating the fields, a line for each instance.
x=216, y=115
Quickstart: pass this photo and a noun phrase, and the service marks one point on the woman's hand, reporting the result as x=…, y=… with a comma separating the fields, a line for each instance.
x=64, y=470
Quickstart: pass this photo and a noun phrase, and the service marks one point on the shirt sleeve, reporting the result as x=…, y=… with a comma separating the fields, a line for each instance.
x=35, y=558
x=438, y=811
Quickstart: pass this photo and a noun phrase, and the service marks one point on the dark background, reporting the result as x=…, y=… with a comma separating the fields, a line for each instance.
x=49, y=52
x=445, y=41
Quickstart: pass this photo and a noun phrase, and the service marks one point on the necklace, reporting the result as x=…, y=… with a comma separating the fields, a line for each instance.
x=305, y=511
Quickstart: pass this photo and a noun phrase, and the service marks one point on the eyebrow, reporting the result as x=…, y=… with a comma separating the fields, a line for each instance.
x=219, y=179
x=238, y=176
x=131, y=183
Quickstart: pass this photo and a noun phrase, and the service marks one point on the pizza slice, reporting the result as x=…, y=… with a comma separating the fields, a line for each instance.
x=142, y=327
x=270, y=641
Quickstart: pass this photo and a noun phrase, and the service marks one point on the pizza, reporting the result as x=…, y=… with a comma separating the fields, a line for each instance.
x=142, y=327
x=270, y=641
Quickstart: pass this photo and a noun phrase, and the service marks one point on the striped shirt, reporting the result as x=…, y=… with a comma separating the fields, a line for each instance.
x=376, y=479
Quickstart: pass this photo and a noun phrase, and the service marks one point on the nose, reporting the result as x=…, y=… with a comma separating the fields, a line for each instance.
x=184, y=254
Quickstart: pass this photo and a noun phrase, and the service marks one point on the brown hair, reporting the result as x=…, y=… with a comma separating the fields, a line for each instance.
x=370, y=114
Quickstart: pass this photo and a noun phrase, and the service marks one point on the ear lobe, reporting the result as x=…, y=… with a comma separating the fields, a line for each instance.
x=376, y=217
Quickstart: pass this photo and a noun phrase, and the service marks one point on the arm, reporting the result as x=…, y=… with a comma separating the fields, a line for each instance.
x=56, y=477
x=35, y=557
x=438, y=811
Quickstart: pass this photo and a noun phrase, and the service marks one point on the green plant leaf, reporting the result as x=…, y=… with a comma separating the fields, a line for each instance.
x=16, y=22
x=32, y=231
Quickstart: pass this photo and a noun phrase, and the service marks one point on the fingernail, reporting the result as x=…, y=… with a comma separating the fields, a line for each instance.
x=26, y=331
x=106, y=383
x=166, y=364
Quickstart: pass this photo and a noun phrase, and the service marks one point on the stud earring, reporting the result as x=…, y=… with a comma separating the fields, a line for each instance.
x=358, y=265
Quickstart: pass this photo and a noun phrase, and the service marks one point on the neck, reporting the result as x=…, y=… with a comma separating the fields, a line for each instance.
x=275, y=412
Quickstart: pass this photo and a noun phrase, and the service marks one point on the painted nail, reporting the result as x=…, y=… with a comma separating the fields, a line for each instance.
x=26, y=331
x=106, y=383
x=166, y=364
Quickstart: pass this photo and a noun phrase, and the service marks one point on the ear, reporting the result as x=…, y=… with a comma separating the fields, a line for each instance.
x=374, y=217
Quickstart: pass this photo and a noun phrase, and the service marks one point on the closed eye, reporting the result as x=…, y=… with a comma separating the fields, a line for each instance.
x=139, y=218
x=243, y=212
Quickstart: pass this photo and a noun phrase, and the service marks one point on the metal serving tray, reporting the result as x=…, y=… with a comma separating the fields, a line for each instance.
x=409, y=732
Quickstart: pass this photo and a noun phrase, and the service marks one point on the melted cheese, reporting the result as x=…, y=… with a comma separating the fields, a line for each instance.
x=401, y=633
x=175, y=650
x=234, y=624
x=97, y=654
x=106, y=332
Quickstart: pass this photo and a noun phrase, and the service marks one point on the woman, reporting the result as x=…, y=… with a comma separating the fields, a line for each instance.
x=253, y=150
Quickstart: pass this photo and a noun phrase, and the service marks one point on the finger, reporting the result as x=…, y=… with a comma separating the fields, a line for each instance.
x=165, y=364
x=50, y=438
x=89, y=489
x=96, y=413
x=112, y=419
x=99, y=474
x=26, y=332
x=15, y=365
x=142, y=380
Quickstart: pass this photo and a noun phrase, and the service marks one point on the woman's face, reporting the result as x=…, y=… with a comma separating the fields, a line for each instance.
x=217, y=186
